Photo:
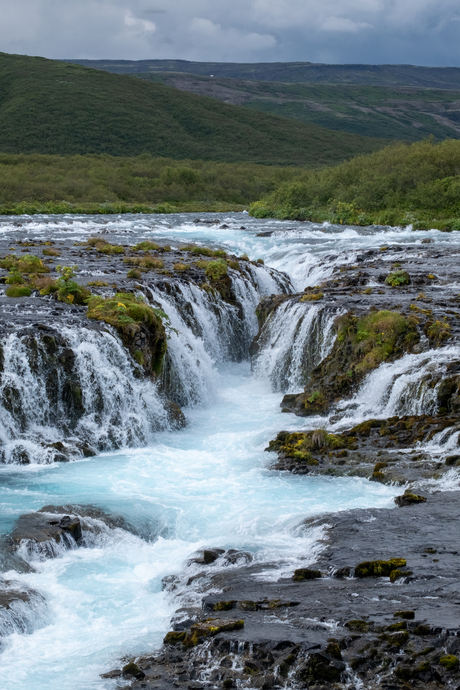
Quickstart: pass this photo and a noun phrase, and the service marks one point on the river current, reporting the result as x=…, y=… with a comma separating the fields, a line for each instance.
x=207, y=485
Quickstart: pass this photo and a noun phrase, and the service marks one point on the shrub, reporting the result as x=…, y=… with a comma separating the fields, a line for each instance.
x=69, y=290
x=398, y=278
x=18, y=291
x=146, y=245
x=50, y=252
x=216, y=270
x=14, y=278
x=24, y=264
x=134, y=273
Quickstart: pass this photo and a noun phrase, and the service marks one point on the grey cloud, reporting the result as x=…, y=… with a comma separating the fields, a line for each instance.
x=366, y=31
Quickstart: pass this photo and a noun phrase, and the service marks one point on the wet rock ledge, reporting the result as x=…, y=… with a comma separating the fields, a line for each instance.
x=378, y=609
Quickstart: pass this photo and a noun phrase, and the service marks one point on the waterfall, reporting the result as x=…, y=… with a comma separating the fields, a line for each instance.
x=206, y=331
x=64, y=393
x=405, y=387
x=26, y=611
x=294, y=339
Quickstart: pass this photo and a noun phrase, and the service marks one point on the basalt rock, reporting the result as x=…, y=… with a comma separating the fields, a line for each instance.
x=341, y=630
x=369, y=450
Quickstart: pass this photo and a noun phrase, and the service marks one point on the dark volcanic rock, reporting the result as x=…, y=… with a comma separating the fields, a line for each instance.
x=341, y=630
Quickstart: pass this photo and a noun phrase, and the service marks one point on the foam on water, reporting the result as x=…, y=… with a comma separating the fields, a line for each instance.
x=205, y=486
x=209, y=484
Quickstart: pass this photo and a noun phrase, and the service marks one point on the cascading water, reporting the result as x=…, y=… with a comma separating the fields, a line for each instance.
x=72, y=388
x=405, y=387
x=293, y=341
x=206, y=485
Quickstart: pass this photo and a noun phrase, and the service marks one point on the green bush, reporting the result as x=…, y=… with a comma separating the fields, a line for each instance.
x=18, y=291
x=14, y=278
x=398, y=278
x=216, y=270
x=402, y=184
x=69, y=290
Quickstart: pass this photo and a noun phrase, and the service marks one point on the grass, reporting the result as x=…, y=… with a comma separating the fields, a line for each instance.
x=416, y=184
x=51, y=107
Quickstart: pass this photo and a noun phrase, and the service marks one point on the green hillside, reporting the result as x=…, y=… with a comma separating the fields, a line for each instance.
x=52, y=107
x=294, y=72
x=402, y=113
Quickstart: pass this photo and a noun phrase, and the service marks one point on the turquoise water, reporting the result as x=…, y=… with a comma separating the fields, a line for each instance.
x=207, y=485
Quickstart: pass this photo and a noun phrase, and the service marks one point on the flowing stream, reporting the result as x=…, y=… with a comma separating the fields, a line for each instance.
x=207, y=485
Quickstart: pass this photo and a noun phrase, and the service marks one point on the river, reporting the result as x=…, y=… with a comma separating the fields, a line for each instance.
x=207, y=485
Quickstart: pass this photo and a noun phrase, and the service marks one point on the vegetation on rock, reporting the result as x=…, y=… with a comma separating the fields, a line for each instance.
x=18, y=291
x=362, y=344
x=131, y=316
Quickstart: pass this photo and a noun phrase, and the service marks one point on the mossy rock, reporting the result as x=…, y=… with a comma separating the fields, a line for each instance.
x=303, y=574
x=357, y=625
x=407, y=615
x=398, y=279
x=312, y=297
x=210, y=628
x=362, y=344
x=133, y=670
x=320, y=669
x=224, y=605
x=216, y=270
x=449, y=661
x=422, y=630
x=132, y=316
x=396, y=627
x=174, y=637
x=379, y=568
x=408, y=499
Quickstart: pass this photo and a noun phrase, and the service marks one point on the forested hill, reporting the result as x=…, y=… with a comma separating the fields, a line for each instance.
x=51, y=107
x=294, y=72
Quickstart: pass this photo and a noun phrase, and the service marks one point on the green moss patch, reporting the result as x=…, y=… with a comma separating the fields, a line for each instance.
x=398, y=279
x=379, y=568
x=24, y=264
x=449, y=661
x=300, y=445
x=129, y=313
x=362, y=344
x=18, y=291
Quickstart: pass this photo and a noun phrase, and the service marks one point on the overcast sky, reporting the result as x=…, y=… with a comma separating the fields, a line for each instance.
x=424, y=32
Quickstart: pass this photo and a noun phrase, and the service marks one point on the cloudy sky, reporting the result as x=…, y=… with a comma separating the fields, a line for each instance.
x=424, y=32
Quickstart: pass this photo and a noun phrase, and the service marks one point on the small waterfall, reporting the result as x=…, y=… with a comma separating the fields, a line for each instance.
x=26, y=609
x=206, y=331
x=405, y=387
x=62, y=391
x=293, y=341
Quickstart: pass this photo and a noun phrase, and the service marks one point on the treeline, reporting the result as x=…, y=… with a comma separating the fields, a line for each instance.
x=416, y=184
x=106, y=184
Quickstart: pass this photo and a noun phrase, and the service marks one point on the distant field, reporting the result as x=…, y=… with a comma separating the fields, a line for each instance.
x=51, y=107
x=294, y=72
x=402, y=113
